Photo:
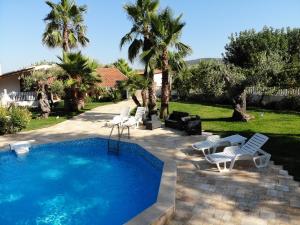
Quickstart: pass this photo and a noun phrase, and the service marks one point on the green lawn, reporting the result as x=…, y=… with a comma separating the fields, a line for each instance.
x=283, y=128
x=59, y=115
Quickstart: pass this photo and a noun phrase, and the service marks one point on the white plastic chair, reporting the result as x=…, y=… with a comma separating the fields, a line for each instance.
x=134, y=121
x=251, y=150
x=120, y=119
x=137, y=119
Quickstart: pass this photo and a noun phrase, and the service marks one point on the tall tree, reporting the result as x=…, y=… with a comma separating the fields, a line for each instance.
x=135, y=82
x=123, y=66
x=65, y=25
x=139, y=38
x=168, y=48
x=80, y=77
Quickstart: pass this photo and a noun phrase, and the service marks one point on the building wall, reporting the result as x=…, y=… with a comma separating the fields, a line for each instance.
x=11, y=83
x=157, y=79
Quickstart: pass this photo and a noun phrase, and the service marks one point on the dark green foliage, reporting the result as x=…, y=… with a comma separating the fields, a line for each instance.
x=123, y=66
x=65, y=25
x=244, y=48
x=79, y=78
x=13, y=119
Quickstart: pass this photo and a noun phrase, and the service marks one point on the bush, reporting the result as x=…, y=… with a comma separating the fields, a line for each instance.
x=19, y=119
x=3, y=120
x=14, y=119
x=58, y=88
x=113, y=95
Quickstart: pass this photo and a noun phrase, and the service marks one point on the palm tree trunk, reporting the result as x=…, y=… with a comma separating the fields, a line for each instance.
x=135, y=99
x=150, y=75
x=66, y=46
x=144, y=97
x=152, y=93
x=165, y=89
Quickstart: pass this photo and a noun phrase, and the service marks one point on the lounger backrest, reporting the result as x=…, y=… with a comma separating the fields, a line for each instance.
x=140, y=112
x=125, y=112
x=254, y=144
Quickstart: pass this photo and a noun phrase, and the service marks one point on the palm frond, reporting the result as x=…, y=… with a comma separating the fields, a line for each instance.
x=134, y=49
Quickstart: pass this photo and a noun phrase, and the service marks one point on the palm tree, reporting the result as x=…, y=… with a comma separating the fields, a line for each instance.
x=134, y=83
x=123, y=66
x=65, y=27
x=140, y=39
x=80, y=77
x=167, y=31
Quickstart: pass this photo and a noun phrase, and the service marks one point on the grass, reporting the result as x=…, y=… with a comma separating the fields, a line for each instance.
x=283, y=128
x=58, y=115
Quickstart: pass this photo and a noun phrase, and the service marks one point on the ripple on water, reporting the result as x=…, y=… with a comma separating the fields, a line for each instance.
x=12, y=197
x=78, y=161
x=52, y=174
x=60, y=210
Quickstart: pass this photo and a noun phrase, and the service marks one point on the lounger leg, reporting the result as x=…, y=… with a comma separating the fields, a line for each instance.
x=224, y=169
x=232, y=164
x=208, y=151
x=261, y=161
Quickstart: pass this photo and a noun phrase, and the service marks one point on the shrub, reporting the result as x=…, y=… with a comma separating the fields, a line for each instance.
x=14, y=119
x=3, y=120
x=58, y=88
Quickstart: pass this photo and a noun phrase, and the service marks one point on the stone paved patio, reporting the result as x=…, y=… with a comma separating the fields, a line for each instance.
x=204, y=196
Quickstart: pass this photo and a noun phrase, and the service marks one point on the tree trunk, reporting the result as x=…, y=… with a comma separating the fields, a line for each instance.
x=68, y=100
x=78, y=100
x=240, y=108
x=165, y=89
x=144, y=97
x=152, y=94
x=136, y=101
x=150, y=75
x=66, y=46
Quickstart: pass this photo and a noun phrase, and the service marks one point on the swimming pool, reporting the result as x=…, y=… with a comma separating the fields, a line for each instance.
x=77, y=182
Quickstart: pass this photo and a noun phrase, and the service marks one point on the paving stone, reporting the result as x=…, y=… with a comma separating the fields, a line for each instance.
x=227, y=216
x=275, y=193
x=267, y=214
x=295, y=202
x=283, y=172
x=251, y=220
x=282, y=188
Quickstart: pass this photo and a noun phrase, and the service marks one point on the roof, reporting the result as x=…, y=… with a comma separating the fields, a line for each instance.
x=25, y=70
x=110, y=76
x=17, y=72
x=156, y=71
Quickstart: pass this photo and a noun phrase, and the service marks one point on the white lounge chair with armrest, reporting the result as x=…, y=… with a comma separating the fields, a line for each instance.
x=251, y=150
x=134, y=121
x=212, y=142
x=119, y=119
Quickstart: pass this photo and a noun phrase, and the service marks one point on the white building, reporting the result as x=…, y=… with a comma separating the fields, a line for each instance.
x=12, y=81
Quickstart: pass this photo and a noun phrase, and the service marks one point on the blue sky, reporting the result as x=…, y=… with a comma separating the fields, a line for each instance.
x=208, y=25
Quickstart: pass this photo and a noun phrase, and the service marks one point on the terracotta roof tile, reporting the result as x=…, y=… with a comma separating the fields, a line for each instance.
x=110, y=76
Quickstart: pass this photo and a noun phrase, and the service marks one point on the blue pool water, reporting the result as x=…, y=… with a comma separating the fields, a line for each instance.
x=77, y=183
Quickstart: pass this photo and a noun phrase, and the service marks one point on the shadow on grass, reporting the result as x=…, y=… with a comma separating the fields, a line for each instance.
x=221, y=119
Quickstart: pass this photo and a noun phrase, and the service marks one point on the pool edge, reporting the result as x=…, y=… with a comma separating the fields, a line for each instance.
x=163, y=210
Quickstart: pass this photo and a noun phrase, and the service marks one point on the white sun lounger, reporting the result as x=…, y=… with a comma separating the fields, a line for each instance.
x=119, y=119
x=134, y=121
x=212, y=142
x=251, y=150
